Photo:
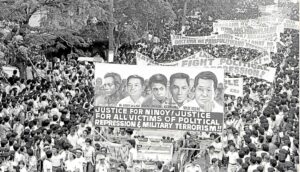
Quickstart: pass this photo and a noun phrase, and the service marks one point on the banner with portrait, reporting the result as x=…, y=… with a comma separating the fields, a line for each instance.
x=159, y=97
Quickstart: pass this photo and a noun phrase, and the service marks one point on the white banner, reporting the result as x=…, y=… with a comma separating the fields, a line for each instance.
x=229, y=66
x=233, y=86
x=227, y=39
x=263, y=59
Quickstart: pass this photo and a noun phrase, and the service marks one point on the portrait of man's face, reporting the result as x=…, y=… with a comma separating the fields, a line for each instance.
x=179, y=90
x=204, y=92
x=159, y=91
x=109, y=86
x=134, y=87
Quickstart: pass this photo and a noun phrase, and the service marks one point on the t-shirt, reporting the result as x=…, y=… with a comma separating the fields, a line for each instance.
x=233, y=156
x=70, y=165
x=102, y=167
x=47, y=166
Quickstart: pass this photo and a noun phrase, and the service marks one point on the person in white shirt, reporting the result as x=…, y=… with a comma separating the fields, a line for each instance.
x=135, y=87
x=253, y=166
x=132, y=153
x=56, y=159
x=102, y=166
x=47, y=164
x=89, y=152
x=233, y=156
x=22, y=167
x=70, y=163
x=80, y=163
x=73, y=137
x=205, y=85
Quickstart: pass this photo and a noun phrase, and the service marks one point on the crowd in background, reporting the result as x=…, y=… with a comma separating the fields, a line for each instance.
x=46, y=113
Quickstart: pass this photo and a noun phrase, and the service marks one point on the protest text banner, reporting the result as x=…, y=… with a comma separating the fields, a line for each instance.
x=170, y=104
x=264, y=58
x=234, y=86
x=228, y=39
x=229, y=66
x=158, y=119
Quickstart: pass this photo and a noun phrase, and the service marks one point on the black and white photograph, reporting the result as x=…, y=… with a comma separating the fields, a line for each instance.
x=149, y=85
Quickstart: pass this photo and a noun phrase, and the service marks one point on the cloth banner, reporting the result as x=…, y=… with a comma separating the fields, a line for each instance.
x=234, y=86
x=263, y=59
x=229, y=66
x=117, y=152
x=168, y=110
x=227, y=39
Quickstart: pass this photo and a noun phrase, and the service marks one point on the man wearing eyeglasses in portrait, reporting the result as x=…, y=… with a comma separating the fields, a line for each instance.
x=111, y=90
x=205, y=85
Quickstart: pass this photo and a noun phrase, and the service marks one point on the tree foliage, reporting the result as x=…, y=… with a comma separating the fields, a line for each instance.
x=133, y=18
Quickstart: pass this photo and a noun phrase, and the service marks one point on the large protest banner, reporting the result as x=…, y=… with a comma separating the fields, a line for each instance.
x=229, y=66
x=172, y=104
x=228, y=39
x=234, y=86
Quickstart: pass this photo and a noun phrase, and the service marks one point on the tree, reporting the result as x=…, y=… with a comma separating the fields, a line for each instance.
x=68, y=24
x=133, y=18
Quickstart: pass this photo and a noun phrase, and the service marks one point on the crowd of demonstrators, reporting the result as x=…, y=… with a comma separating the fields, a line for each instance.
x=46, y=113
x=199, y=23
x=261, y=128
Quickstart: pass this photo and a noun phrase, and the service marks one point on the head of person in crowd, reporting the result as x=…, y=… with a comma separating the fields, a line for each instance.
x=135, y=86
x=158, y=84
x=179, y=87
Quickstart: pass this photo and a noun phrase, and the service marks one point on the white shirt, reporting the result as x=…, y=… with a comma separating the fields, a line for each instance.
x=70, y=165
x=128, y=102
x=73, y=139
x=233, y=156
x=79, y=163
x=56, y=160
x=47, y=166
x=88, y=153
x=102, y=167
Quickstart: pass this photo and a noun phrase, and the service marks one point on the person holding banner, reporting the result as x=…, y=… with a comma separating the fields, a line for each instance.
x=158, y=85
x=112, y=90
x=135, y=87
x=205, y=85
x=179, y=88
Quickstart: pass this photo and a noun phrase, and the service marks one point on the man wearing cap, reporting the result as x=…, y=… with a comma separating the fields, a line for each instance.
x=80, y=162
x=205, y=85
x=102, y=165
x=135, y=87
